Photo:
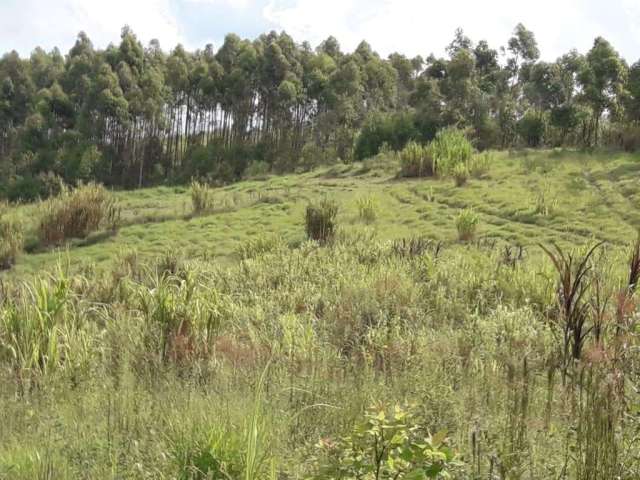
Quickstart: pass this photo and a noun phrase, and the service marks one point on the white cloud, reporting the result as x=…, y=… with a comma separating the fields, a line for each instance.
x=235, y=4
x=408, y=26
x=33, y=23
x=423, y=26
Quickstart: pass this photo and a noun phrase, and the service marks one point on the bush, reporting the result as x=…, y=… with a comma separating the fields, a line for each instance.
x=460, y=174
x=416, y=161
x=320, y=220
x=77, y=213
x=257, y=169
x=450, y=148
x=531, y=128
x=387, y=445
x=393, y=130
x=201, y=197
x=367, y=209
x=466, y=224
x=11, y=242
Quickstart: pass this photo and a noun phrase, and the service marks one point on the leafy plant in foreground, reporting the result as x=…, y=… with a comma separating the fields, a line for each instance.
x=573, y=284
x=385, y=446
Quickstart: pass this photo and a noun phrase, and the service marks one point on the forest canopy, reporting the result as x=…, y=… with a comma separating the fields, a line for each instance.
x=131, y=115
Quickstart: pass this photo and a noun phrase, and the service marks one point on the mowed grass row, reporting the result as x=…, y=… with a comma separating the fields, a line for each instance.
x=526, y=198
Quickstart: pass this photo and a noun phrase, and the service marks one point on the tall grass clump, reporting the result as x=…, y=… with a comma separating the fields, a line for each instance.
x=416, y=161
x=320, y=220
x=449, y=149
x=78, y=213
x=545, y=203
x=460, y=174
x=466, y=224
x=480, y=164
x=40, y=330
x=201, y=197
x=367, y=209
x=11, y=243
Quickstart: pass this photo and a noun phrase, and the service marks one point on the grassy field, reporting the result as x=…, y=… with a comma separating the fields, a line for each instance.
x=588, y=196
x=227, y=346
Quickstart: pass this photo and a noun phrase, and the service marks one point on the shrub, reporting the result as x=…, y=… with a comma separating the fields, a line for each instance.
x=450, y=148
x=531, y=128
x=257, y=169
x=416, y=161
x=320, y=220
x=77, y=213
x=466, y=224
x=201, y=197
x=460, y=174
x=394, y=130
x=11, y=242
x=367, y=209
x=385, y=446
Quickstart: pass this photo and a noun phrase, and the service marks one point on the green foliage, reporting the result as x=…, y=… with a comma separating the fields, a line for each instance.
x=531, y=128
x=466, y=224
x=320, y=220
x=257, y=169
x=387, y=445
x=77, y=213
x=394, y=130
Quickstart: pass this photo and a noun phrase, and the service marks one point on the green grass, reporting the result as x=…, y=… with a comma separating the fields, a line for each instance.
x=598, y=198
x=226, y=345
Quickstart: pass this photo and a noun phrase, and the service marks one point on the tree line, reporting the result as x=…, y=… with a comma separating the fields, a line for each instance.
x=131, y=116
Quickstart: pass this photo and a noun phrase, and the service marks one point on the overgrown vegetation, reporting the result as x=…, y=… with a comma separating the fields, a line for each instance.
x=77, y=213
x=320, y=220
x=233, y=344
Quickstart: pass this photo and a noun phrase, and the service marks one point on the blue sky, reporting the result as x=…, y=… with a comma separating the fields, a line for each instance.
x=409, y=26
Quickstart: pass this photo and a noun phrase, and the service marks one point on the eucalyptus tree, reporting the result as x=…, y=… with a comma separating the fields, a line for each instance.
x=601, y=78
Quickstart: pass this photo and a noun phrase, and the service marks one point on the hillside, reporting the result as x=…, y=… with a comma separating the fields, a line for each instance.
x=589, y=196
x=227, y=345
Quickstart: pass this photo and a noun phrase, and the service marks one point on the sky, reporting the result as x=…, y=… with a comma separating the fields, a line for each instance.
x=411, y=27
